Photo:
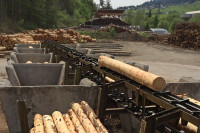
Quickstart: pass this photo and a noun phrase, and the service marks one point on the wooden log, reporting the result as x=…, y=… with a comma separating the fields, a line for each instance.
x=69, y=123
x=88, y=126
x=109, y=80
x=2, y=48
x=59, y=122
x=49, y=125
x=145, y=78
x=76, y=122
x=93, y=118
x=38, y=124
x=32, y=130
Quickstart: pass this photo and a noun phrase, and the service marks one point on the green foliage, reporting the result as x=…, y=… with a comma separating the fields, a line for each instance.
x=33, y=14
x=112, y=32
x=195, y=18
x=147, y=27
x=98, y=34
x=155, y=21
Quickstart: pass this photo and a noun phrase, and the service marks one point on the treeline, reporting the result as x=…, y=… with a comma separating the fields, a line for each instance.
x=139, y=17
x=16, y=15
x=158, y=4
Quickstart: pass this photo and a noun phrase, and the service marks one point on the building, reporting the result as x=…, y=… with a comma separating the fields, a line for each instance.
x=109, y=12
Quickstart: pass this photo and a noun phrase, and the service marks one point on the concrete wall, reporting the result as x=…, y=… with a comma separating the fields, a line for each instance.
x=35, y=74
x=29, y=50
x=27, y=45
x=33, y=57
x=43, y=100
x=191, y=89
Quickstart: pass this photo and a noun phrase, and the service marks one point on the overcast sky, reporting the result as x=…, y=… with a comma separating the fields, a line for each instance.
x=117, y=3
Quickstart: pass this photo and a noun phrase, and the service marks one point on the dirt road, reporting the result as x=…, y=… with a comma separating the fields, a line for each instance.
x=167, y=61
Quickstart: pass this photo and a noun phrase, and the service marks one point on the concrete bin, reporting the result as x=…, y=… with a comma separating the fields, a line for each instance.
x=27, y=45
x=28, y=50
x=33, y=57
x=35, y=74
x=43, y=100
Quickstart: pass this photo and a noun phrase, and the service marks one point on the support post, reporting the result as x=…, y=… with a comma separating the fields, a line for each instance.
x=23, y=112
x=66, y=82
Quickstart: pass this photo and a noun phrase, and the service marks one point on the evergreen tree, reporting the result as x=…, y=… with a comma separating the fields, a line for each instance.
x=102, y=3
x=108, y=4
x=149, y=14
x=155, y=21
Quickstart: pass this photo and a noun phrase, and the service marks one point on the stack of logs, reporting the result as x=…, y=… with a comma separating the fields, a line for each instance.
x=79, y=119
x=186, y=35
x=35, y=36
x=118, y=29
x=106, y=21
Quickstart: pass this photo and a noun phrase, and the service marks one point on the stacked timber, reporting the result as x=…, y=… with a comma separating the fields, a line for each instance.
x=186, y=35
x=38, y=35
x=106, y=21
x=118, y=29
x=80, y=119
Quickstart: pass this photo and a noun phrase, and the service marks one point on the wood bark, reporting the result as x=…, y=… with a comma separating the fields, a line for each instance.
x=109, y=80
x=32, y=130
x=145, y=78
x=69, y=123
x=49, y=125
x=2, y=48
x=38, y=124
x=88, y=126
x=76, y=122
x=93, y=118
x=59, y=122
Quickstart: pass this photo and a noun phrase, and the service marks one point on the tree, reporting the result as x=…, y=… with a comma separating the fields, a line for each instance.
x=102, y=3
x=108, y=4
x=147, y=27
x=155, y=21
x=149, y=14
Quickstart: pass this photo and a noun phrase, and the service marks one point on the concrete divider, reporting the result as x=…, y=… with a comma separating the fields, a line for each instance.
x=33, y=57
x=43, y=100
x=27, y=45
x=28, y=50
x=35, y=74
x=191, y=89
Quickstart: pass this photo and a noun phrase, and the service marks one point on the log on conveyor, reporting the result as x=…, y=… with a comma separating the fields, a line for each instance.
x=150, y=80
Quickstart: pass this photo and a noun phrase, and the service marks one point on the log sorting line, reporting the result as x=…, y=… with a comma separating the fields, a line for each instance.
x=166, y=100
x=80, y=119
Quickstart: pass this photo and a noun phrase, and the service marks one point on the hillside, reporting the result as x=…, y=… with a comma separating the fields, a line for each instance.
x=159, y=4
x=166, y=17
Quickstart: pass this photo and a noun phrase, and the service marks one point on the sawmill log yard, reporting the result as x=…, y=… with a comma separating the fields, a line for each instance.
x=101, y=76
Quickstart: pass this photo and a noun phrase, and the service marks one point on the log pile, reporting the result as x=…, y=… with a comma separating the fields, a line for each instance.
x=186, y=35
x=80, y=119
x=35, y=36
x=106, y=21
x=118, y=29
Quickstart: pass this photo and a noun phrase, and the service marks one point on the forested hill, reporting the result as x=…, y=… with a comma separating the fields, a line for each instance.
x=16, y=15
x=159, y=3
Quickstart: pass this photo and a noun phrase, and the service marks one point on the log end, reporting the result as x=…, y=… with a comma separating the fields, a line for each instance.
x=159, y=84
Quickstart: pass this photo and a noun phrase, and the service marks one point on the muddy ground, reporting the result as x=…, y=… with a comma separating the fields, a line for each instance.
x=170, y=62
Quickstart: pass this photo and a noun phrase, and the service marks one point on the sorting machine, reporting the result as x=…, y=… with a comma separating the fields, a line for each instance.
x=157, y=111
